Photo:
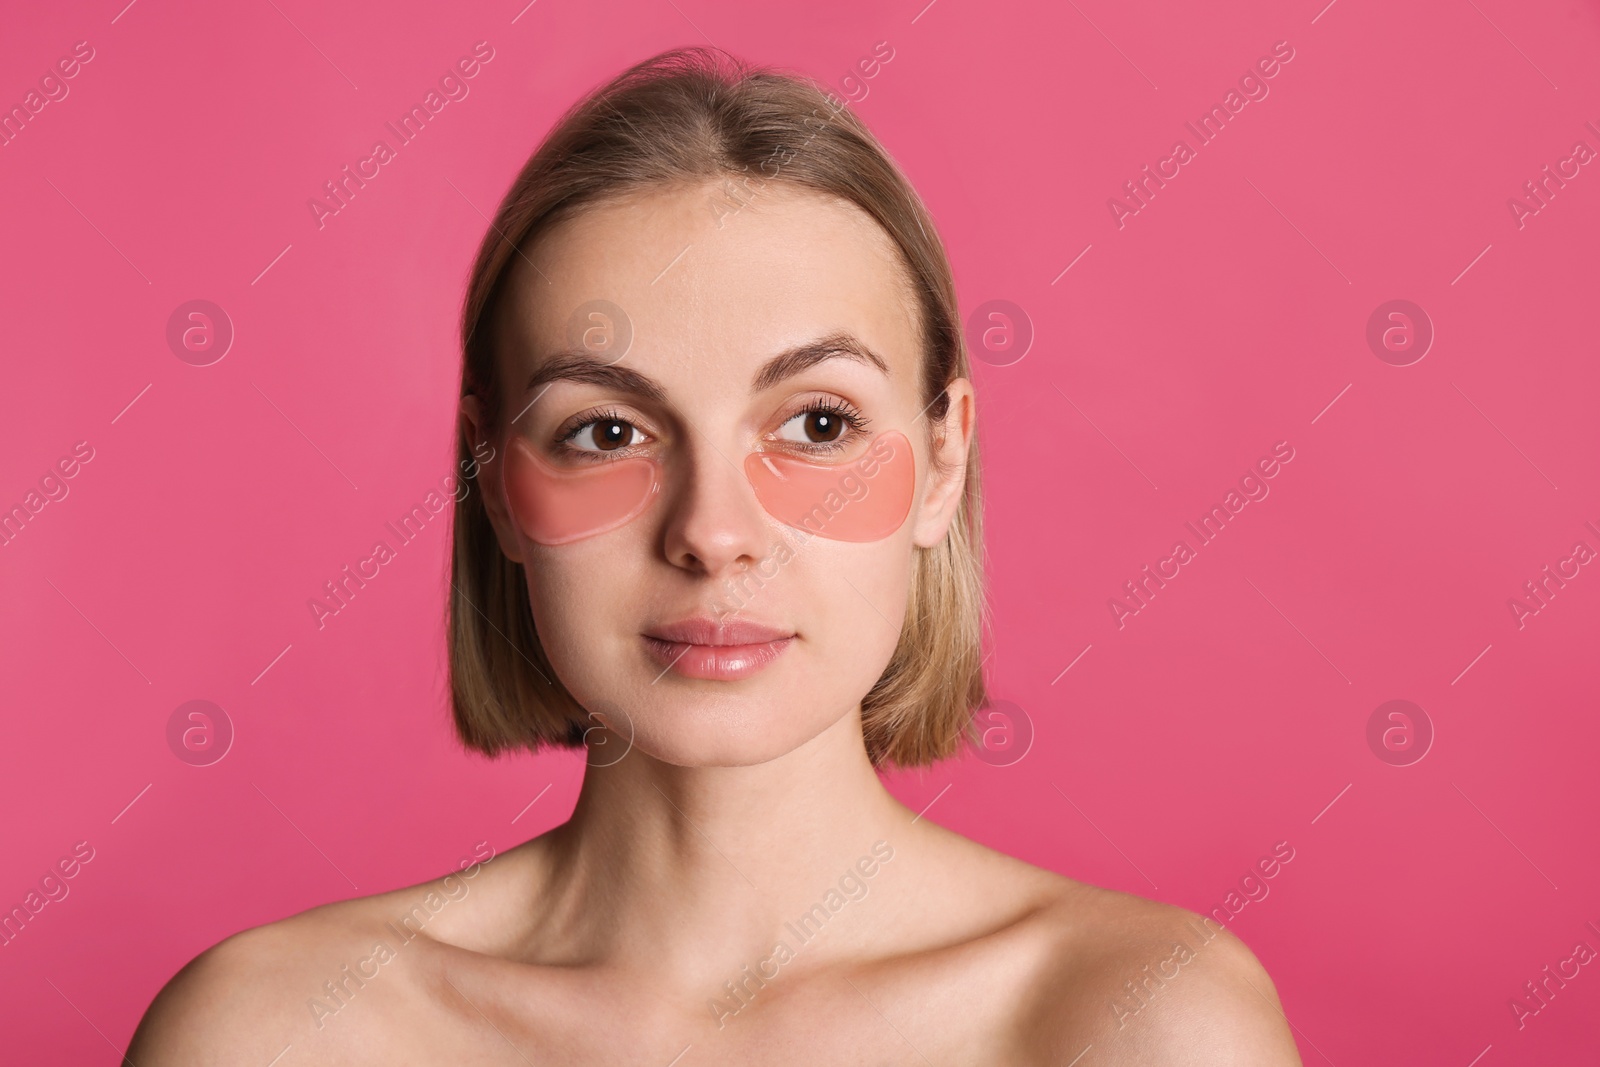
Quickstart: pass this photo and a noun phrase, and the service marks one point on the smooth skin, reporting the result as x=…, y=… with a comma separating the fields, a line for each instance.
x=739, y=805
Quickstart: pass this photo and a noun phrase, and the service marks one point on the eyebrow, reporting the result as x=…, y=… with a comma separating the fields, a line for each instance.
x=581, y=367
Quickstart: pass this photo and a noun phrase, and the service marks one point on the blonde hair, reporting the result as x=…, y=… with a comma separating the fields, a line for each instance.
x=696, y=115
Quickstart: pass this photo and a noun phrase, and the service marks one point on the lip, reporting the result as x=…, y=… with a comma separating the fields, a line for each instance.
x=724, y=651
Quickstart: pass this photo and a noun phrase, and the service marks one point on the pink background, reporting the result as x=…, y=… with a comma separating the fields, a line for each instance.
x=1226, y=316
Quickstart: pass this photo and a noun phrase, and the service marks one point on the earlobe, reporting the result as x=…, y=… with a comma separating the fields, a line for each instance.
x=947, y=469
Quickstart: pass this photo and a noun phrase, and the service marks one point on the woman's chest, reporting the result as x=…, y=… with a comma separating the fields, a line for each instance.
x=909, y=1012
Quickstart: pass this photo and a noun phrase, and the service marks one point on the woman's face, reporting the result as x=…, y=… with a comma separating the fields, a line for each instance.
x=712, y=299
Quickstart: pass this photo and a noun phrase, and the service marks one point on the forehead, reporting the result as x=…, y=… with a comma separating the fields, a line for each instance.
x=789, y=266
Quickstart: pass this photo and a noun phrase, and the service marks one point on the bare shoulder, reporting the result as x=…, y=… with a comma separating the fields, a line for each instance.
x=292, y=984
x=243, y=998
x=1139, y=981
x=1144, y=982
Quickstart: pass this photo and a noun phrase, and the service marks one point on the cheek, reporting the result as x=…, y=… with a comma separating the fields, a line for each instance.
x=854, y=596
x=584, y=600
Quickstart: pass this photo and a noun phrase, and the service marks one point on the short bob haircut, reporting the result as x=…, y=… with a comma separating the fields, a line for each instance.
x=690, y=117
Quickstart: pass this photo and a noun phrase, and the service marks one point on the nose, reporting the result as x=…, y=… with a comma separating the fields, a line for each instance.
x=715, y=525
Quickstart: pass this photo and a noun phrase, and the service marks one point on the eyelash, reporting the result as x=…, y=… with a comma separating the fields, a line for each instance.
x=854, y=421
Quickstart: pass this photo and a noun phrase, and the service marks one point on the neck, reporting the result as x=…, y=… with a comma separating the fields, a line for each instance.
x=702, y=869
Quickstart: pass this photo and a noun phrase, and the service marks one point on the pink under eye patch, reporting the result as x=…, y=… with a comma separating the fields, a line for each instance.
x=555, y=506
x=866, y=500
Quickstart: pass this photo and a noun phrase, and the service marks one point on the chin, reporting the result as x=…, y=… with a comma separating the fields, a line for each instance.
x=709, y=739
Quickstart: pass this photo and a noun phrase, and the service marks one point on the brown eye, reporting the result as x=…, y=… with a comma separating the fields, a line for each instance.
x=604, y=435
x=823, y=426
x=816, y=427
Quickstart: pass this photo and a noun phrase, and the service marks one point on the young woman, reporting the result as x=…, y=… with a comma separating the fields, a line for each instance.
x=727, y=539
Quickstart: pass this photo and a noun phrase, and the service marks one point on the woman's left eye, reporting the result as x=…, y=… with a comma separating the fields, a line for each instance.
x=820, y=425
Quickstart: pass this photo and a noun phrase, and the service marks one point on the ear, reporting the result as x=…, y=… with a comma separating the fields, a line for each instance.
x=947, y=470
x=488, y=461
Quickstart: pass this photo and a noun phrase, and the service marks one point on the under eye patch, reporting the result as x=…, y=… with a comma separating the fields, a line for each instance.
x=864, y=500
x=554, y=506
